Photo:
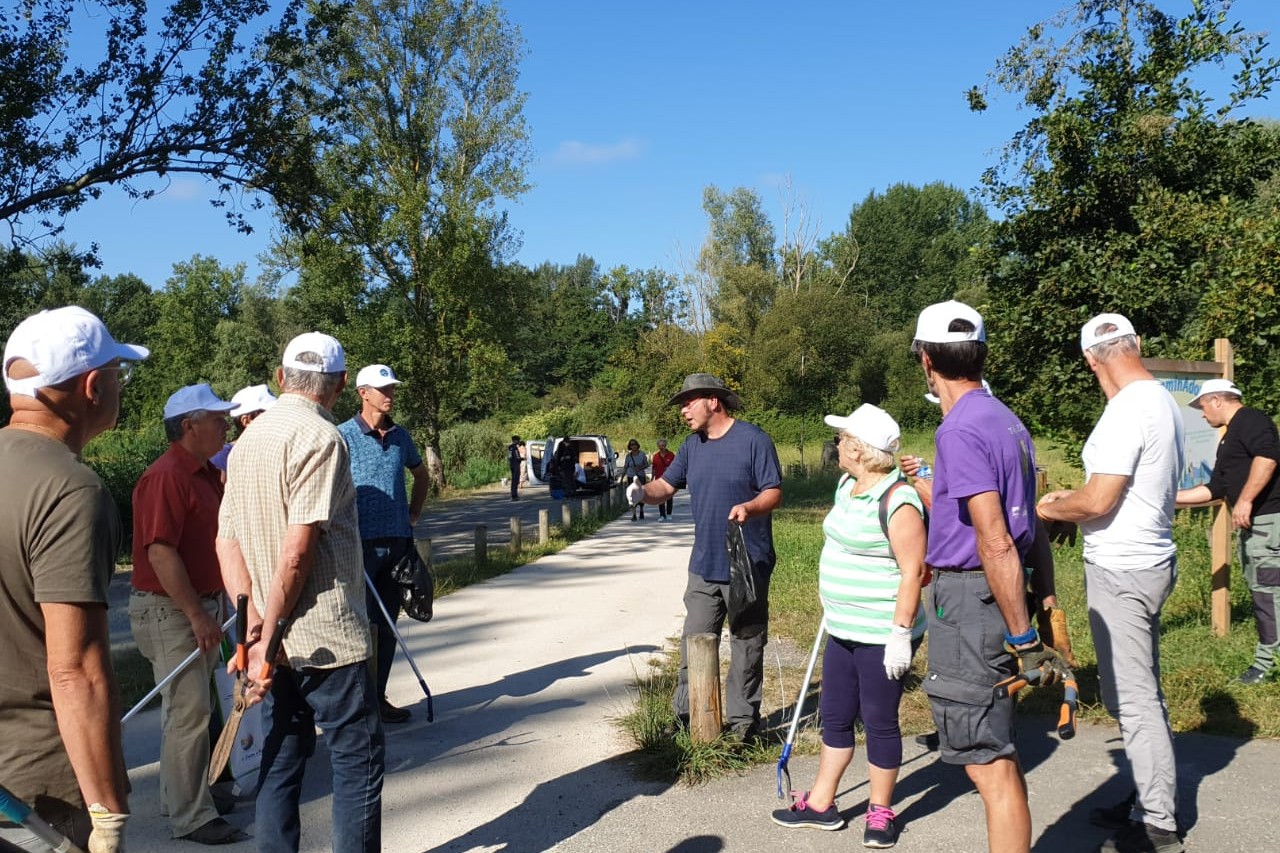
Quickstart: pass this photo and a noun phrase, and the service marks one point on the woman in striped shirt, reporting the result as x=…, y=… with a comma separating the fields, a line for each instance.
x=870, y=586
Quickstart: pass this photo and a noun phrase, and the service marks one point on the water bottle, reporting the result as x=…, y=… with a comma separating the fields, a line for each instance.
x=925, y=472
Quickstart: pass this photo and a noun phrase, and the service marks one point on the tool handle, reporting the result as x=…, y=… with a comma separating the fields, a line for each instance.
x=1067, y=714
x=1014, y=683
x=273, y=649
x=16, y=811
x=242, y=632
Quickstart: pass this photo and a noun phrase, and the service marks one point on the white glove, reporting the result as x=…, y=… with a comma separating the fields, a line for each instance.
x=897, y=652
x=635, y=494
x=108, y=830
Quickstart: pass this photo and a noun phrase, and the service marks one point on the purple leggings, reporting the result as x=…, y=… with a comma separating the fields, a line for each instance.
x=855, y=686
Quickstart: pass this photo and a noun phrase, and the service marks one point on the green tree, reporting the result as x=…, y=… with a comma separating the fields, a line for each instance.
x=1120, y=163
x=738, y=259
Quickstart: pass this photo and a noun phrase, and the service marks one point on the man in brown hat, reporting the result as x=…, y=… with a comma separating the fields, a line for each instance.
x=731, y=469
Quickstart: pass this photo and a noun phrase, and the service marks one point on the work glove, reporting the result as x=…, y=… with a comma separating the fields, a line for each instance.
x=108, y=830
x=635, y=494
x=1042, y=664
x=897, y=652
x=1052, y=622
x=1062, y=532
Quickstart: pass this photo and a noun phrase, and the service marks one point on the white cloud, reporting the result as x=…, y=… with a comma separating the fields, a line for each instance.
x=574, y=153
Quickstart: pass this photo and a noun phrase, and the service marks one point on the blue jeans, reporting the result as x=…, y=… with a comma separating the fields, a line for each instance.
x=380, y=557
x=342, y=703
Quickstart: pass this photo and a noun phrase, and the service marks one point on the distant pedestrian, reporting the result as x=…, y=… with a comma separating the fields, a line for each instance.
x=733, y=474
x=662, y=459
x=60, y=534
x=381, y=451
x=1132, y=463
x=289, y=538
x=177, y=602
x=1244, y=473
x=634, y=467
x=515, y=462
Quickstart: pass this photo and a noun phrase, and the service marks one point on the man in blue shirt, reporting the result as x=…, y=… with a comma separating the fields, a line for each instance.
x=380, y=451
x=732, y=472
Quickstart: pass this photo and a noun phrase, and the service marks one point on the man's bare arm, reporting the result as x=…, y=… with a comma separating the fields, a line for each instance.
x=418, y=497
x=658, y=490
x=1098, y=497
x=1000, y=561
x=78, y=647
x=762, y=504
x=171, y=571
x=1194, y=496
x=237, y=581
x=1260, y=471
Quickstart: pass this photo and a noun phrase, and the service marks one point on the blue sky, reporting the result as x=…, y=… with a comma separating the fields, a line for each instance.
x=635, y=107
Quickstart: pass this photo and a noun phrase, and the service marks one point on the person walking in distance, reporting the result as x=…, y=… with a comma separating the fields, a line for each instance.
x=1132, y=463
x=515, y=463
x=733, y=473
x=60, y=533
x=381, y=451
x=289, y=538
x=662, y=459
x=634, y=467
x=1244, y=473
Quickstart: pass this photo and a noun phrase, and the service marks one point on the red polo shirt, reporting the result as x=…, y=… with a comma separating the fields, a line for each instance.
x=661, y=459
x=176, y=503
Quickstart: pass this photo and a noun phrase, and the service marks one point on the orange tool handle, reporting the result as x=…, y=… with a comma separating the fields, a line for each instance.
x=273, y=649
x=1067, y=714
x=242, y=633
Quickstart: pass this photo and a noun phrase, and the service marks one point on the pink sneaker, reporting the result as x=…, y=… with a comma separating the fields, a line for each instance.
x=881, y=830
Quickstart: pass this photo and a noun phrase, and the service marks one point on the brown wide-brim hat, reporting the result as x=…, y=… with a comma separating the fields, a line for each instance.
x=705, y=385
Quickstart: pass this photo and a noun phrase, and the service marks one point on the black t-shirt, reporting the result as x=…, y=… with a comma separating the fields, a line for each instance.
x=1250, y=433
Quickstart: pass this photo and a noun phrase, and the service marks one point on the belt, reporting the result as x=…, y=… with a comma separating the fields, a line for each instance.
x=205, y=596
x=956, y=570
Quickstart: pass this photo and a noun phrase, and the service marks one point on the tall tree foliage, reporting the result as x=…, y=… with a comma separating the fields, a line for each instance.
x=738, y=259
x=1123, y=159
x=432, y=136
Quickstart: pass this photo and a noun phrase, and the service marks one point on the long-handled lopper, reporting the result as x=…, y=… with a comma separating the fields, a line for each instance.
x=164, y=682
x=222, y=749
x=431, y=714
x=1070, y=697
x=784, y=775
x=16, y=811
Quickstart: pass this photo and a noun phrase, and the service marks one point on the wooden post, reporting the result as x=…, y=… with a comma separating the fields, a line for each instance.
x=1042, y=480
x=586, y=508
x=482, y=544
x=704, y=686
x=566, y=515
x=544, y=526
x=517, y=534
x=1220, y=537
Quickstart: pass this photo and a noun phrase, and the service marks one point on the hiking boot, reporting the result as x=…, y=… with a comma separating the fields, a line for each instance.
x=745, y=733
x=215, y=832
x=390, y=713
x=1143, y=838
x=1253, y=675
x=930, y=741
x=803, y=817
x=1115, y=816
x=881, y=831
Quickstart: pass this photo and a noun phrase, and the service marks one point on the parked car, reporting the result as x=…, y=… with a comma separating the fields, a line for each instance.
x=592, y=452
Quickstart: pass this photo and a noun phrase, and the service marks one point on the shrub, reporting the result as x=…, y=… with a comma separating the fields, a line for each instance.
x=119, y=457
x=484, y=442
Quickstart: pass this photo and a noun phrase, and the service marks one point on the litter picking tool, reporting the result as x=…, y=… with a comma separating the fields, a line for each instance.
x=431, y=714
x=227, y=740
x=1070, y=697
x=784, y=775
x=16, y=811
x=164, y=682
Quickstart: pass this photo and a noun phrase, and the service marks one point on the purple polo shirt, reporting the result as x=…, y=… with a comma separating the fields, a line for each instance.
x=982, y=447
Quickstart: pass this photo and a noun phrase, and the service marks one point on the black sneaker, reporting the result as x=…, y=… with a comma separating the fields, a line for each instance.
x=930, y=741
x=391, y=714
x=1114, y=816
x=881, y=831
x=1143, y=838
x=803, y=817
x=1252, y=676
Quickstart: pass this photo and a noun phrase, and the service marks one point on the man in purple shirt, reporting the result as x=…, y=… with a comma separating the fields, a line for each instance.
x=982, y=521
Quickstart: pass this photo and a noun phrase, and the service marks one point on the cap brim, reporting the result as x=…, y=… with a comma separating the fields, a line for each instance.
x=836, y=421
x=131, y=352
x=731, y=400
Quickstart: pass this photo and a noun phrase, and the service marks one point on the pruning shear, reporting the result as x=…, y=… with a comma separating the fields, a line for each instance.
x=222, y=749
x=1070, y=697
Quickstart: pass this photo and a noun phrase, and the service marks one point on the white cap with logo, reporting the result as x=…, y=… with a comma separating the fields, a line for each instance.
x=871, y=425
x=194, y=398
x=1091, y=337
x=332, y=359
x=1215, y=386
x=254, y=398
x=60, y=344
x=376, y=376
x=934, y=323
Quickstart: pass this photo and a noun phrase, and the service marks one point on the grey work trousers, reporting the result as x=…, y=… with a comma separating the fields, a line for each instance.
x=705, y=613
x=1260, y=561
x=1124, y=615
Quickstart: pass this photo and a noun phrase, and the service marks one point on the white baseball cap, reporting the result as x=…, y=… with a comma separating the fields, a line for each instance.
x=870, y=424
x=254, y=398
x=332, y=358
x=376, y=376
x=934, y=321
x=60, y=344
x=195, y=398
x=1215, y=386
x=1089, y=336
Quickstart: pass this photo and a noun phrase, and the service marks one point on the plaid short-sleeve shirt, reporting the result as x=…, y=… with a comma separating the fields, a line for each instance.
x=293, y=468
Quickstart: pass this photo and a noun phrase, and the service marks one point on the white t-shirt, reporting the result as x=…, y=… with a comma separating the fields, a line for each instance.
x=1139, y=436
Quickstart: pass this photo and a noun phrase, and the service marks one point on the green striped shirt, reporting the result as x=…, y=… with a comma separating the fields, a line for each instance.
x=857, y=575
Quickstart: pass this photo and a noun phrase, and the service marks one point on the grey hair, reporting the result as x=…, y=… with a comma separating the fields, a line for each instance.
x=874, y=459
x=310, y=382
x=1125, y=345
x=173, y=425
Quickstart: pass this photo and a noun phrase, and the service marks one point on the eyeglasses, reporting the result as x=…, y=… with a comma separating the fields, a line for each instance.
x=124, y=370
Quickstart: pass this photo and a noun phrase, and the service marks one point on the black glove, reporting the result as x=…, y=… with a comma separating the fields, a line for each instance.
x=1062, y=532
x=1041, y=664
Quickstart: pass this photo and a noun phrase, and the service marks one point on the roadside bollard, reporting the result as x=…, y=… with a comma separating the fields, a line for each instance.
x=424, y=551
x=566, y=515
x=586, y=508
x=704, y=686
x=517, y=534
x=482, y=544
x=544, y=526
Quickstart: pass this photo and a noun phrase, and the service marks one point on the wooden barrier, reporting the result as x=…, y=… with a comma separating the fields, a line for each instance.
x=482, y=544
x=517, y=534
x=544, y=526
x=705, y=722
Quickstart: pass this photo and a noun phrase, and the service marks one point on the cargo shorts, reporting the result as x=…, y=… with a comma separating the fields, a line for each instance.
x=966, y=660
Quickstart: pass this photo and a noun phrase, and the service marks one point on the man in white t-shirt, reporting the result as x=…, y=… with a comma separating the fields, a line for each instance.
x=1132, y=462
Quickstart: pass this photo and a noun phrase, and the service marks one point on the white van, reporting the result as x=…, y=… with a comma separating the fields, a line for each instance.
x=592, y=452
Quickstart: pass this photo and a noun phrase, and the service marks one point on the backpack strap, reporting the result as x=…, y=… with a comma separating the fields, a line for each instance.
x=884, y=503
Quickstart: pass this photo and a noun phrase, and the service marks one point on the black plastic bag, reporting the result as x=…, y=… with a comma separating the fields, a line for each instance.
x=743, y=582
x=417, y=586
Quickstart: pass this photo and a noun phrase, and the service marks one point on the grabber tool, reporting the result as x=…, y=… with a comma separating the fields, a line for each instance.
x=784, y=775
x=164, y=682
x=16, y=811
x=1070, y=697
x=404, y=647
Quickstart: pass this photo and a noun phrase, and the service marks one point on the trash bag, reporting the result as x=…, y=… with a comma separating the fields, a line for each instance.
x=743, y=584
x=417, y=586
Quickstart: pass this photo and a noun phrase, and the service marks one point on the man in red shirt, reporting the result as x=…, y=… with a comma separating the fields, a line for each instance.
x=176, y=604
x=660, y=460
